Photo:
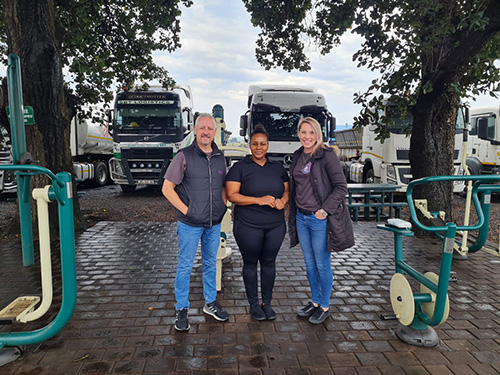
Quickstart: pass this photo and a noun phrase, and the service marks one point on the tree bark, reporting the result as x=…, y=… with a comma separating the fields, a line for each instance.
x=432, y=147
x=31, y=35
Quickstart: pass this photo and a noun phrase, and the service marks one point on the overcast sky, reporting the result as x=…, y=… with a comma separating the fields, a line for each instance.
x=217, y=59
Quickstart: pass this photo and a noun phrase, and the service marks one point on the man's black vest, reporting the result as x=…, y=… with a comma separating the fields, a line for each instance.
x=201, y=188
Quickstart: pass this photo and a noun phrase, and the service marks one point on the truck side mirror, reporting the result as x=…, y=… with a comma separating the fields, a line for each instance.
x=243, y=125
x=333, y=126
x=109, y=115
x=482, y=128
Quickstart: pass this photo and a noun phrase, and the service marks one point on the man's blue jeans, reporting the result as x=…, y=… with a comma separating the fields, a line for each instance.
x=189, y=238
x=314, y=244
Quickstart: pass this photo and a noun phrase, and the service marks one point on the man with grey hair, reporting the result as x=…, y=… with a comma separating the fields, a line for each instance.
x=194, y=184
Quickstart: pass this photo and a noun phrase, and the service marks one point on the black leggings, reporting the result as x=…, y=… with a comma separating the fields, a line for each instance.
x=259, y=245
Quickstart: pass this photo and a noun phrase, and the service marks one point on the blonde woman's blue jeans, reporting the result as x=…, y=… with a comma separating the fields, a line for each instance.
x=313, y=241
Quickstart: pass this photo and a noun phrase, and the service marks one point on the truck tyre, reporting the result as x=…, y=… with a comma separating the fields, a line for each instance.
x=128, y=188
x=474, y=166
x=346, y=170
x=101, y=175
x=370, y=176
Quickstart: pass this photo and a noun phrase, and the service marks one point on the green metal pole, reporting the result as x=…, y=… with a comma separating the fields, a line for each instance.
x=483, y=232
x=18, y=149
x=444, y=279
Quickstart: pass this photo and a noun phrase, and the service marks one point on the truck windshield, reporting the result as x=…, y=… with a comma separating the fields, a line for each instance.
x=148, y=119
x=401, y=123
x=282, y=126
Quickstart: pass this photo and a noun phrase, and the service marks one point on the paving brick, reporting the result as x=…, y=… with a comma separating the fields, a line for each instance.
x=438, y=370
x=160, y=364
x=461, y=358
x=320, y=371
x=377, y=346
x=415, y=370
x=97, y=368
x=457, y=345
x=430, y=357
x=253, y=362
x=321, y=347
x=342, y=359
x=485, y=369
x=349, y=346
x=313, y=360
x=124, y=314
x=367, y=370
x=129, y=367
x=391, y=370
x=372, y=359
x=462, y=370
x=223, y=362
x=346, y=371
x=284, y=361
x=402, y=359
x=487, y=356
x=192, y=363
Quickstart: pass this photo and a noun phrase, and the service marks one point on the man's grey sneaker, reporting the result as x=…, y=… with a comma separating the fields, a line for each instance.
x=307, y=310
x=268, y=310
x=257, y=312
x=319, y=316
x=181, y=321
x=215, y=310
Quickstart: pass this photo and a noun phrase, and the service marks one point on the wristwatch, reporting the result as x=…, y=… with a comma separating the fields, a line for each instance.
x=323, y=212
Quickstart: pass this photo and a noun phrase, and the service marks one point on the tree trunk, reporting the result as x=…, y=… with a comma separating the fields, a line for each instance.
x=432, y=147
x=30, y=30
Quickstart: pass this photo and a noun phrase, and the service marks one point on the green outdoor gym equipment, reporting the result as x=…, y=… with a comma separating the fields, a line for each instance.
x=61, y=190
x=418, y=312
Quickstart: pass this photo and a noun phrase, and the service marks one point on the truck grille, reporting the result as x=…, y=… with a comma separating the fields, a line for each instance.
x=146, y=165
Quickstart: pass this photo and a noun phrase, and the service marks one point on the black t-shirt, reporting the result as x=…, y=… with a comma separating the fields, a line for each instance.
x=258, y=181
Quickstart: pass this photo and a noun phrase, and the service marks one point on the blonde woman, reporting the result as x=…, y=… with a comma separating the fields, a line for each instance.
x=319, y=219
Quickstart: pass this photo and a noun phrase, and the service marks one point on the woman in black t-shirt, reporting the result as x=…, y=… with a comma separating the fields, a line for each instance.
x=259, y=189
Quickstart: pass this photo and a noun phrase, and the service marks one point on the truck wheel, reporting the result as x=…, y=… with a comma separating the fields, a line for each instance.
x=474, y=166
x=346, y=170
x=128, y=188
x=101, y=175
x=370, y=176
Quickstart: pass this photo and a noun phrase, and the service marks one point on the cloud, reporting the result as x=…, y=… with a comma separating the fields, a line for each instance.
x=217, y=59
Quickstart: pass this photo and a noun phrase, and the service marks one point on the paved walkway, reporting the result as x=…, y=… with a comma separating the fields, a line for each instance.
x=123, y=323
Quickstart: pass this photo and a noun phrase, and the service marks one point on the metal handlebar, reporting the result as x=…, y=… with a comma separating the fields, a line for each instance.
x=479, y=181
x=30, y=167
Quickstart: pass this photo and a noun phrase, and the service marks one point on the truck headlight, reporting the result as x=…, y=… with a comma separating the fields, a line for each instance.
x=391, y=172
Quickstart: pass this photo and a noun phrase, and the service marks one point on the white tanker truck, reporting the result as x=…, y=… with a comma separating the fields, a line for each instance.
x=91, y=148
